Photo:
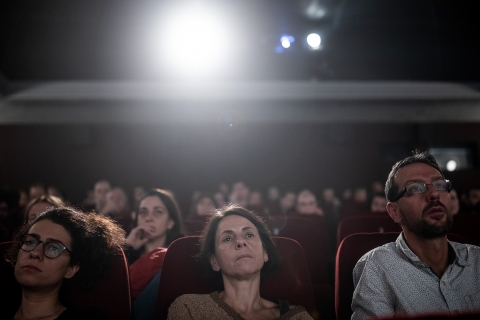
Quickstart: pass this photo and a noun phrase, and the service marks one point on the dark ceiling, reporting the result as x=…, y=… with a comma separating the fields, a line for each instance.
x=362, y=40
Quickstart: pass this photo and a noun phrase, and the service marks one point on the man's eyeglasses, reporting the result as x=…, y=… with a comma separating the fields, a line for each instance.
x=421, y=187
x=51, y=248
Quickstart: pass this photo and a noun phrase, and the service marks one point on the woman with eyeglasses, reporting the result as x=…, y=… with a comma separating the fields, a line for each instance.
x=60, y=245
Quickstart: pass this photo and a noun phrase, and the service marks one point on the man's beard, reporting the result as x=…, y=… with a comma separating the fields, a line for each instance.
x=425, y=230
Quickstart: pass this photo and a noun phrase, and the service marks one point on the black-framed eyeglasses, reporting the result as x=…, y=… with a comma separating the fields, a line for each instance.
x=421, y=187
x=51, y=248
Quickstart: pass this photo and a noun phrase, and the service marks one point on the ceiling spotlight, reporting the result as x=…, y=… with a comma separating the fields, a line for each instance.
x=314, y=41
x=286, y=41
x=451, y=165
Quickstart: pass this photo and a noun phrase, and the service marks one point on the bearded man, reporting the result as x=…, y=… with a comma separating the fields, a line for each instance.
x=422, y=271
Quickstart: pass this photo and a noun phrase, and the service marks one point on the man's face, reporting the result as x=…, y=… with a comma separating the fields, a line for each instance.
x=379, y=204
x=100, y=191
x=428, y=214
x=474, y=196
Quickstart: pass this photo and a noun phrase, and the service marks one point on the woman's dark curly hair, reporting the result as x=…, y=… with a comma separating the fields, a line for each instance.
x=207, y=242
x=173, y=213
x=94, y=242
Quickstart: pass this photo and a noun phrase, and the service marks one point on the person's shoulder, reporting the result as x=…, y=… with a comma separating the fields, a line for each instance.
x=296, y=313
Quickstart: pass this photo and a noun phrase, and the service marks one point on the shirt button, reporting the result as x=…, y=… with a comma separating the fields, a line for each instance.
x=443, y=282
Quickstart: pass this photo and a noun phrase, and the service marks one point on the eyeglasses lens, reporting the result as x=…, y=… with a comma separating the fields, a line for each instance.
x=420, y=187
x=51, y=249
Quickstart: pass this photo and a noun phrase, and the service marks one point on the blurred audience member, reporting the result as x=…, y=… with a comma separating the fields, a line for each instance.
x=220, y=199
x=455, y=202
x=36, y=190
x=223, y=188
x=377, y=187
x=273, y=194
x=118, y=208
x=56, y=192
x=330, y=203
x=23, y=200
x=347, y=195
x=255, y=202
x=138, y=193
x=203, y=206
x=157, y=224
x=100, y=190
x=39, y=205
x=356, y=205
x=287, y=203
x=378, y=203
x=9, y=221
x=307, y=203
x=239, y=194
x=474, y=200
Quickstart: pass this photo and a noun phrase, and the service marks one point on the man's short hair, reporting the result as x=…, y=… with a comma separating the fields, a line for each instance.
x=391, y=189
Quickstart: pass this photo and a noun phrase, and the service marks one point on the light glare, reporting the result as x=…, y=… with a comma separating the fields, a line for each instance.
x=314, y=41
x=451, y=165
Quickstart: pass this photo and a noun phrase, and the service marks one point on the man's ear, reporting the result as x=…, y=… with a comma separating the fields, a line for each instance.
x=72, y=270
x=393, y=212
x=214, y=263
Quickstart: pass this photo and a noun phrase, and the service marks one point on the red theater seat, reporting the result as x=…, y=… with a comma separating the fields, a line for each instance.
x=110, y=296
x=365, y=224
x=181, y=275
x=350, y=250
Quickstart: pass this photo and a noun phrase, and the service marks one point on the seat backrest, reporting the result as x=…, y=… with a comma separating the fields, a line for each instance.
x=466, y=225
x=111, y=296
x=366, y=223
x=310, y=232
x=350, y=250
x=291, y=282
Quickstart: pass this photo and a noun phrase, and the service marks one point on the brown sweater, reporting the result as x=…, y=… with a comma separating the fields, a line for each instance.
x=210, y=306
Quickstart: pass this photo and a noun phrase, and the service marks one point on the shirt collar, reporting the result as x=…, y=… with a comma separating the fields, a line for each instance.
x=453, y=256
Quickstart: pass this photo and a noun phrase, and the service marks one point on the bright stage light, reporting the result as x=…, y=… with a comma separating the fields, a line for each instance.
x=314, y=41
x=194, y=41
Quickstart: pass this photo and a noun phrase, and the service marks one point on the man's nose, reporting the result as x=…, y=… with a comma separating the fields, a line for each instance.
x=432, y=193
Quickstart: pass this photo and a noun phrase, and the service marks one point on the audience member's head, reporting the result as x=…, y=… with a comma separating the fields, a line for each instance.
x=65, y=244
x=100, y=190
x=360, y=195
x=220, y=234
x=377, y=187
x=418, y=197
x=203, y=206
x=56, y=192
x=307, y=203
x=239, y=194
x=455, y=202
x=157, y=221
x=273, y=194
x=474, y=199
x=287, y=202
x=138, y=193
x=378, y=203
x=219, y=199
x=36, y=190
x=116, y=204
x=347, y=195
x=255, y=199
x=41, y=204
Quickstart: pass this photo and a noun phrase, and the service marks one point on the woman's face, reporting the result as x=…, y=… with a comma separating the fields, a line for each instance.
x=205, y=206
x=455, y=202
x=36, y=209
x=239, y=250
x=153, y=218
x=34, y=270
